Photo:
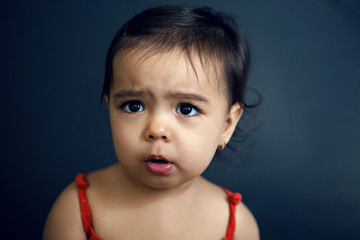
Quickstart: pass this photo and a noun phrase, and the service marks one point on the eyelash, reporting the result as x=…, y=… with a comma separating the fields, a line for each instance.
x=191, y=106
x=126, y=107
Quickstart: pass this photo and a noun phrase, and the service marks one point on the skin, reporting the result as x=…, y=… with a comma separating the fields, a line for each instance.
x=126, y=199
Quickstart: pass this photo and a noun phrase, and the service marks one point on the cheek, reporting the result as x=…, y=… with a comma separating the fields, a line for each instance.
x=199, y=157
x=124, y=134
x=200, y=146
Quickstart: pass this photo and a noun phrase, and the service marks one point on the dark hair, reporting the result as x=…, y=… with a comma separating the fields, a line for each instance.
x=212, y=36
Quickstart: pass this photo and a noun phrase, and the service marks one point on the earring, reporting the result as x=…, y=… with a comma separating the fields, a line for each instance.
x=221, y=146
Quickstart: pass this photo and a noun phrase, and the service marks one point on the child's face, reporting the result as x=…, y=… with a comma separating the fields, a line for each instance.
x=159, y=109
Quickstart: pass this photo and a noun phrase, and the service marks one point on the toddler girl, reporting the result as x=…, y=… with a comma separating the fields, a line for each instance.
x=174, y=86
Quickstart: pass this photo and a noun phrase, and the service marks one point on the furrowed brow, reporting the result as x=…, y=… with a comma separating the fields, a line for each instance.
x=190, y=96
x=128, y=94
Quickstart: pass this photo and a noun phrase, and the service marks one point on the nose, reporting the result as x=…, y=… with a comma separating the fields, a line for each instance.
x=158, y=129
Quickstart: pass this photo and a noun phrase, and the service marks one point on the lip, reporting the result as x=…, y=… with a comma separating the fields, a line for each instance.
x=159, y=157
x=158, y=168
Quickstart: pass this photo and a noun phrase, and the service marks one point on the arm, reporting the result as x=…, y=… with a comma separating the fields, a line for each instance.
x=64, y=219
x=246, y=226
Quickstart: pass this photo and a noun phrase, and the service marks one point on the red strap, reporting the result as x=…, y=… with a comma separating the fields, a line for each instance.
x=234, y=199
x=82, y=184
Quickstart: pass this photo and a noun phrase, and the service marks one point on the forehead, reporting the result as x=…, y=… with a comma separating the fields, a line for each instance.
x=134, y=66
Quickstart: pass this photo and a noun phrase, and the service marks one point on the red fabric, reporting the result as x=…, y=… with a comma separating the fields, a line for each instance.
x=234, y=199
x=82, y=183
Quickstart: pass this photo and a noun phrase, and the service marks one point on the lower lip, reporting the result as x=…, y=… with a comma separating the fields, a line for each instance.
x=159, y=169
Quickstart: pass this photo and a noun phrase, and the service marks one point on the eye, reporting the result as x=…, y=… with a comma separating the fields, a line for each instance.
x=187, y=109
x=132, y=107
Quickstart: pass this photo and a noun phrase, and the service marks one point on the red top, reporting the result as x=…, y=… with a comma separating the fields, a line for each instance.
x=82, y=183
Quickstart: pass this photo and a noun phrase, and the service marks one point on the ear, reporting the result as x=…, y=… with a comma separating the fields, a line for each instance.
x=106, y=99
x=231, y=121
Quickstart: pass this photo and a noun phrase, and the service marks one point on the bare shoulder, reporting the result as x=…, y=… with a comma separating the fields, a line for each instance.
x=246, y=226
x=64, y=219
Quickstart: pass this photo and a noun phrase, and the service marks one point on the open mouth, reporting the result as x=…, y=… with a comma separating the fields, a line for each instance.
x=159, y=165
x=159, y=161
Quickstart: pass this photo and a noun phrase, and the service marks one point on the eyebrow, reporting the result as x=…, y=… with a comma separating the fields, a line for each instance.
x=189, y=96
x=128, y=93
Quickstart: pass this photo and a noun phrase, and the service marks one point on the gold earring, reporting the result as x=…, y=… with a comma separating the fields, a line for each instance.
x=221, y=146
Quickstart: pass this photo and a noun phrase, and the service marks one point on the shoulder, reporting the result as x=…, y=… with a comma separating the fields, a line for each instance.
x=246, y=226
x=64, y=220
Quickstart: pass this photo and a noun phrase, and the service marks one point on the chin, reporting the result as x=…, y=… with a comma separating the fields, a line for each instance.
x=165, y=183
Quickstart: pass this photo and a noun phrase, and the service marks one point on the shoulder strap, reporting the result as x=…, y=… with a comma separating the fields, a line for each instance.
x=234, y=199
x=82, y=184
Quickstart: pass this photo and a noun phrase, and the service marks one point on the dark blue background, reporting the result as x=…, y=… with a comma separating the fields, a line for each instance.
x=301, y=179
